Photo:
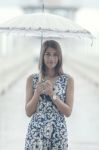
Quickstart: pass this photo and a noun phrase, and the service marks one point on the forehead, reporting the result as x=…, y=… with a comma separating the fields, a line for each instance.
x=50, y=50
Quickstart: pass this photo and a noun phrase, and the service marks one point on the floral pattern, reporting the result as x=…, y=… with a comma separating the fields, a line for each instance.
x=47, y=129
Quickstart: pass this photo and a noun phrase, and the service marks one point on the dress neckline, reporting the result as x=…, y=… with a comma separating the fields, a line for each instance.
x=55, y=79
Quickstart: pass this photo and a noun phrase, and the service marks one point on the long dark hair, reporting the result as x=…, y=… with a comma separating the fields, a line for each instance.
x=45, y=46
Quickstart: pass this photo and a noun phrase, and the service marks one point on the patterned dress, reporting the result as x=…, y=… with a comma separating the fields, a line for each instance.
x=47, y=128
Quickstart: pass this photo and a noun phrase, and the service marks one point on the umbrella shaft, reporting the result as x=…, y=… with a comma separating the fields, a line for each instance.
x=42, y=5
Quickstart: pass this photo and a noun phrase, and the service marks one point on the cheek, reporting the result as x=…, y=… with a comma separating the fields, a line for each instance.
x=56, y=60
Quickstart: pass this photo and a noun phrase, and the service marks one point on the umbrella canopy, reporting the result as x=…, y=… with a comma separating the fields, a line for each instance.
x=44, y=24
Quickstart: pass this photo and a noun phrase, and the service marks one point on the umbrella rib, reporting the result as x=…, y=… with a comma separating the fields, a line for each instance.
x=40, y=29
x=48, y=24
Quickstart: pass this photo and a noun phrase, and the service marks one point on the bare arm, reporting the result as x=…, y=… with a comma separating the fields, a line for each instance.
x=66, y=108
x=32, y=97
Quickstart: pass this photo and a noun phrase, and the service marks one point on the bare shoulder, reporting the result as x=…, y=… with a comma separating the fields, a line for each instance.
x=29, y=86
x=29, y=79
x=70, y=79
x=71, y=82
x=29, y=89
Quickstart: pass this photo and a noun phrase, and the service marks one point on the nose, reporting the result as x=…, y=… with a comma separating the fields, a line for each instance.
x=51, y=57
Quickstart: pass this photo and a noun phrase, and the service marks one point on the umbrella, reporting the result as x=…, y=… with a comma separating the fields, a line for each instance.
x=44, y=24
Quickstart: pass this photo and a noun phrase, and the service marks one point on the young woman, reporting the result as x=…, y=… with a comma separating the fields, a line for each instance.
x=49, y=98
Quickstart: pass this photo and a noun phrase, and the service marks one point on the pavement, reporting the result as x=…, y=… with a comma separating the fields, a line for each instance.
x=83, y=124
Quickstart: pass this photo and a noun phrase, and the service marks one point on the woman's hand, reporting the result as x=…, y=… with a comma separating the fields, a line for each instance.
x=39, y=88
x=44, y=87
x=48, y=88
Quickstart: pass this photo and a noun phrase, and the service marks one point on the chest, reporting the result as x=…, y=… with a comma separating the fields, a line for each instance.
x=59, y=86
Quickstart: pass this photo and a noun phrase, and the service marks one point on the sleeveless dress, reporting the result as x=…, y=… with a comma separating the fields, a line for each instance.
x=47, y=129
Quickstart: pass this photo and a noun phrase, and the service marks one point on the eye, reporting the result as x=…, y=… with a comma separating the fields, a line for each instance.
x=47, y=54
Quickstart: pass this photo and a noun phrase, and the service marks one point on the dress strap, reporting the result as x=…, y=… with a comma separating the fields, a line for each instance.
x=35, y=80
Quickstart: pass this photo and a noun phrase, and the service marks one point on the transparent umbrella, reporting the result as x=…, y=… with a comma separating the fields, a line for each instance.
x=44, y=24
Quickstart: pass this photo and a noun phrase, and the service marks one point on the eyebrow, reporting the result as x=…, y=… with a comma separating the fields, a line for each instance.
x=51, y=52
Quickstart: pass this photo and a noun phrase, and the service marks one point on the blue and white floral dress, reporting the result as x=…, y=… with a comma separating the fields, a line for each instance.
x=47, y=129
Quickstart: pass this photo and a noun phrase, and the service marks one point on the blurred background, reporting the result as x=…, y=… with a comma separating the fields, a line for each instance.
x=19, y=58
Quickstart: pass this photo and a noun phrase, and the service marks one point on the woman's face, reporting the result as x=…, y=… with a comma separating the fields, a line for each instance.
x=50, y=58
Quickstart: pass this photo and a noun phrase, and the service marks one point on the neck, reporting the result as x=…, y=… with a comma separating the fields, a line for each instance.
x=50, y=73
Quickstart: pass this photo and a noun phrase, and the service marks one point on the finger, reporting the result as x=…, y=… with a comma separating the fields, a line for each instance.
x=49, y=90
x=48, y=82
x=39, y=88
x=49, y=87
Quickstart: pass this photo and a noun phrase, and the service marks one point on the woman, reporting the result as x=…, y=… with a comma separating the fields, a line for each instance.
x=49, y=98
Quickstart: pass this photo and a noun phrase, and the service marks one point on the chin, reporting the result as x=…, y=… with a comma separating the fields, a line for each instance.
x=50, y=67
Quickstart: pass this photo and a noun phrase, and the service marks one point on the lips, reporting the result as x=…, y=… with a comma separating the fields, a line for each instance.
x=52, y=64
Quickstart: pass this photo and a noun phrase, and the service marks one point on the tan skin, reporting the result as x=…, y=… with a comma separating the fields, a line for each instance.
x=32, y=97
